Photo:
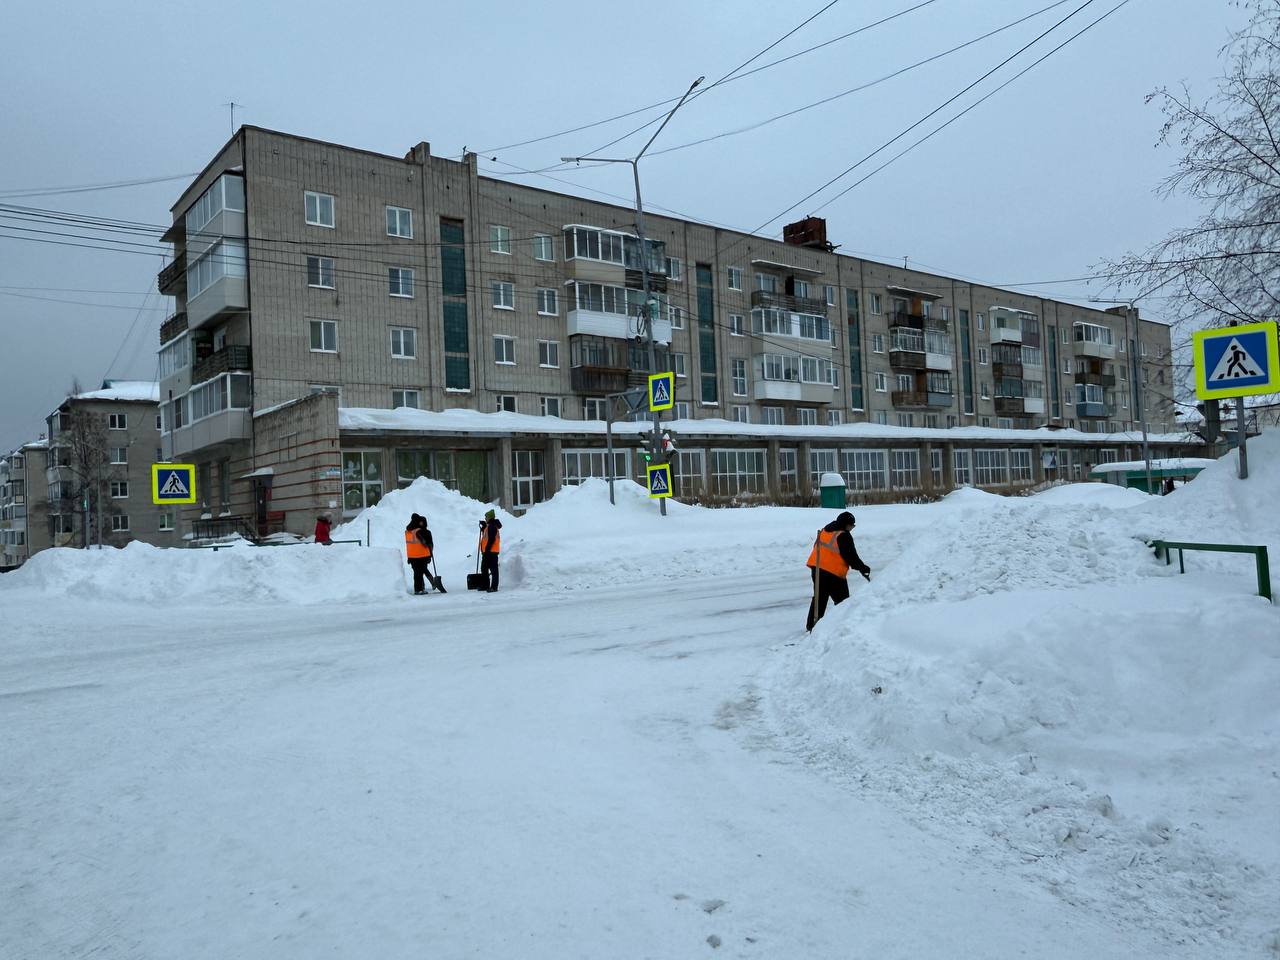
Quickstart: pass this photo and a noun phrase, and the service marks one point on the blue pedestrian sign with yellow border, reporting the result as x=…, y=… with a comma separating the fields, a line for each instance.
x=659, y=479
x=173, y=483
x=1236, y=361
x=662, y=391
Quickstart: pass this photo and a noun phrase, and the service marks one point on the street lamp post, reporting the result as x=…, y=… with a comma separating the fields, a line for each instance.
x=655, y=440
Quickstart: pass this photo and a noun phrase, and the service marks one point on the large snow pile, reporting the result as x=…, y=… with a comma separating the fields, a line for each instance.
x=140, y=573
x=1025, y=671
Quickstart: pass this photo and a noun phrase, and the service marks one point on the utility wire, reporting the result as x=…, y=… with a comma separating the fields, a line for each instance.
x=91, y=187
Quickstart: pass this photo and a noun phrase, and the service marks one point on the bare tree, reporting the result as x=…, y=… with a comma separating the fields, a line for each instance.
x=1225, y=267
x=79, y=447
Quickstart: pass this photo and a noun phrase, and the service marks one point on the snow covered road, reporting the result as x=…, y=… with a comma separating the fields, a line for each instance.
x=519, y=775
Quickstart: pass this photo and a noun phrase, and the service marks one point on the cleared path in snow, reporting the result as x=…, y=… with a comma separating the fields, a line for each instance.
x=519, y=775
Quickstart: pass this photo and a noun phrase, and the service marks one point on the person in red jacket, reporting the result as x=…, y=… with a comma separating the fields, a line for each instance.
x=832, y=557
x=323, y=526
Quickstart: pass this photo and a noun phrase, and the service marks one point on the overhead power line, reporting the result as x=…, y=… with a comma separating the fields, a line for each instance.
x=90, y=187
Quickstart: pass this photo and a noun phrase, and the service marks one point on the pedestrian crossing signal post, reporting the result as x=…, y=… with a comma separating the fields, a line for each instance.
x=659, y=480
x=173, y=483
x=1238, y=361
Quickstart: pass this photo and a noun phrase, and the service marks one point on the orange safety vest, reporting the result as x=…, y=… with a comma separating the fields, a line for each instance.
x=496, y=546
x=414, y=547
x=830, y=560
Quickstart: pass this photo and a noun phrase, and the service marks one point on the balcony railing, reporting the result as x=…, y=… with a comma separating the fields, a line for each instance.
x=763, y=298
x=174, y=327
x=598, y=380
x=1001, y=369
x=1010, y=406
x=1099, y=379
x=227, y=360
x=173, y=276
x=919, y=398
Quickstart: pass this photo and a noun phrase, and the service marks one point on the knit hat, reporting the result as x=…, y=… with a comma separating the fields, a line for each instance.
x=489, y=514
x=845, y=519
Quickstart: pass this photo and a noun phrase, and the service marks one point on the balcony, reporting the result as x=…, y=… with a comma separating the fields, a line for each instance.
x=938, y=361
x=615, y=326
x=1093, y=340
x=1033, y=405
x=598, y=380
x=1006, y=334
x=227, y=360
x=907, y=359
x=172, y=280
x=763, y=298
x=920, y=399
x=795, y=390
x=173, y=328
x=1099, y=379
x=1091, y=409
x=1012, y=370
x=1010, y=406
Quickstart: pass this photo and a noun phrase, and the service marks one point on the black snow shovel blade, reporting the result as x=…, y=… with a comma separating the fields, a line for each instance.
x=436, y=582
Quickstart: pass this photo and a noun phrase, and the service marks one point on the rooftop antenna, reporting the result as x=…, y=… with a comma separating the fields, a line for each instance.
x=232, y=104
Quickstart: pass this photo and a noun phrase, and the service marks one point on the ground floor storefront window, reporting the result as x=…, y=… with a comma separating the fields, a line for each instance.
x=361, y=479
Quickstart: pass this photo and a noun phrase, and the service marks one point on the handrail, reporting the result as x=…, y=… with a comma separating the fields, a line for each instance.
x=1261, y=561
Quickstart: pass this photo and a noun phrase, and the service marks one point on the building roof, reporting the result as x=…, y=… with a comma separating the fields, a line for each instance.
x=494, y=424
x=1166, y=465
x=143, y=391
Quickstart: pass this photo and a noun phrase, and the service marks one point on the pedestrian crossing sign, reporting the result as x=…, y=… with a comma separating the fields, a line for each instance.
x=173, y=483
x=662, y=391
x=659, y=480
x=1236, y=361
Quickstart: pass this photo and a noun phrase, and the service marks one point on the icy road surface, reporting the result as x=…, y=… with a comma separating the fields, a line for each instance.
x=517, y=775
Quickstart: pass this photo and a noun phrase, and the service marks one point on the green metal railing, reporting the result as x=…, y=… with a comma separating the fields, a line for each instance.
x=1259, y=555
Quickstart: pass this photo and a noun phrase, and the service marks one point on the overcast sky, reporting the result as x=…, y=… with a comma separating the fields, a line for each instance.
x=1040, y=182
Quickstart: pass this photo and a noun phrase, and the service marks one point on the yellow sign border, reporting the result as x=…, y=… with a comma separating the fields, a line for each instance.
x=652, y=468
x=1206, y=392
x=155, y=482
x=671, y=391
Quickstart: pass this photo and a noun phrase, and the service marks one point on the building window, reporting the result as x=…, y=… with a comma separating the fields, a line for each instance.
x=737, y=325
x=506, y=403
x=1020, y=466
x=679, y=364
x=788, y=472
x=984, y=421
x=740, y=379
x=831, y=295
x=904, y=419
x=119, y=454
x=118, y=421
x=166, y=521
x=874, y=300
x=503, y=295
x=550, y=406
x=324, y=336
x=549, y=353
x=526, y=478
x=404, y=343
x=318, y=208
x=960, y=460
x=735, y=472
x=320, y=272
x=835, y=418
x=801, y=288
x=544, y=247
x=1004, y=423
x=735, y=278
x=773, y=416
x=882, y=418
x=865, y=469
x=675, y=268
x=579, y=465
x=935, y=467
x=905, y=469
x=400, y=222
x=406, y=398
x=677, y=317
x=877, y=343
x=547, y=305
x=119, y=489
x=400, y=281
x=807, y=417
x=499, y=239
x=504, y=350
x=991, y=467
x=120, y=523
x=681, y=410
x=982, y=321
x=982, y=356
x=740, y=413
x=766, y=283
x=882, y=382
x=594, y=408
x=361, y=480
x=985, y=389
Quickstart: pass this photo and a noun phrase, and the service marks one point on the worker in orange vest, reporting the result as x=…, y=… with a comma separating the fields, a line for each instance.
x=832, y=557
x=490, y=546
x=417, y=547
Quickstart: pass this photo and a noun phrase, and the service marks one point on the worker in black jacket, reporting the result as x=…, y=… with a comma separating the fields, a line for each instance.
x=832, y=557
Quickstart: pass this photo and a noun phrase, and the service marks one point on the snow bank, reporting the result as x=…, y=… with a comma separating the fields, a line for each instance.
x=1025, y=670
x=140, y=573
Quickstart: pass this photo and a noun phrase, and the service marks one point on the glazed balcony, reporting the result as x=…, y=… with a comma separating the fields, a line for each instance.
x=782, y=301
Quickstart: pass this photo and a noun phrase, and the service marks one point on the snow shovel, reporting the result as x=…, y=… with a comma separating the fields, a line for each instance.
x=435, y=581
x=477, y=580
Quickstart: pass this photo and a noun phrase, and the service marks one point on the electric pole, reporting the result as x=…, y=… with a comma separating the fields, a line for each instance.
x=649, y=313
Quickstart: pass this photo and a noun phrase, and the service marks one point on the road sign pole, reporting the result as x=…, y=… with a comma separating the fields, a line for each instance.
x=1240, y=433
x=608, y=445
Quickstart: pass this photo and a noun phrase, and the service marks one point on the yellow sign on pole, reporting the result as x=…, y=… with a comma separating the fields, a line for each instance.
x=173, y=483
x=659, y=480
x=1238, y=361
x=662, y=391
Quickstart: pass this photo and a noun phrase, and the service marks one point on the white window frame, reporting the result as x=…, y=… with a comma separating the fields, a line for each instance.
x=501, y=403
x=807, y=416
x=119, y=455
x=402, y=337
x=165, y=523
x=738, y=378
x=830, y=291
x=735, y=278
x=119, y=523
x=740, y=413
x=307, y=198
x=324, y=326
x=396, y=284
x=405, y=393
x=397, y=216
x=548, y=302
x=118, y=421
x=507, y=350
x=502, y=294
x=835, y=418
x=681, y=410
x=675, y=269
x=549, y=354
x=119, y=489
x=544, y=402
x=544, y=243
x=882, y=382
x=324, y=269
x=877, y=343
x=874, y=303
x=773, y=415
x=500, y=239
x=737, y=325
x=680, y=365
